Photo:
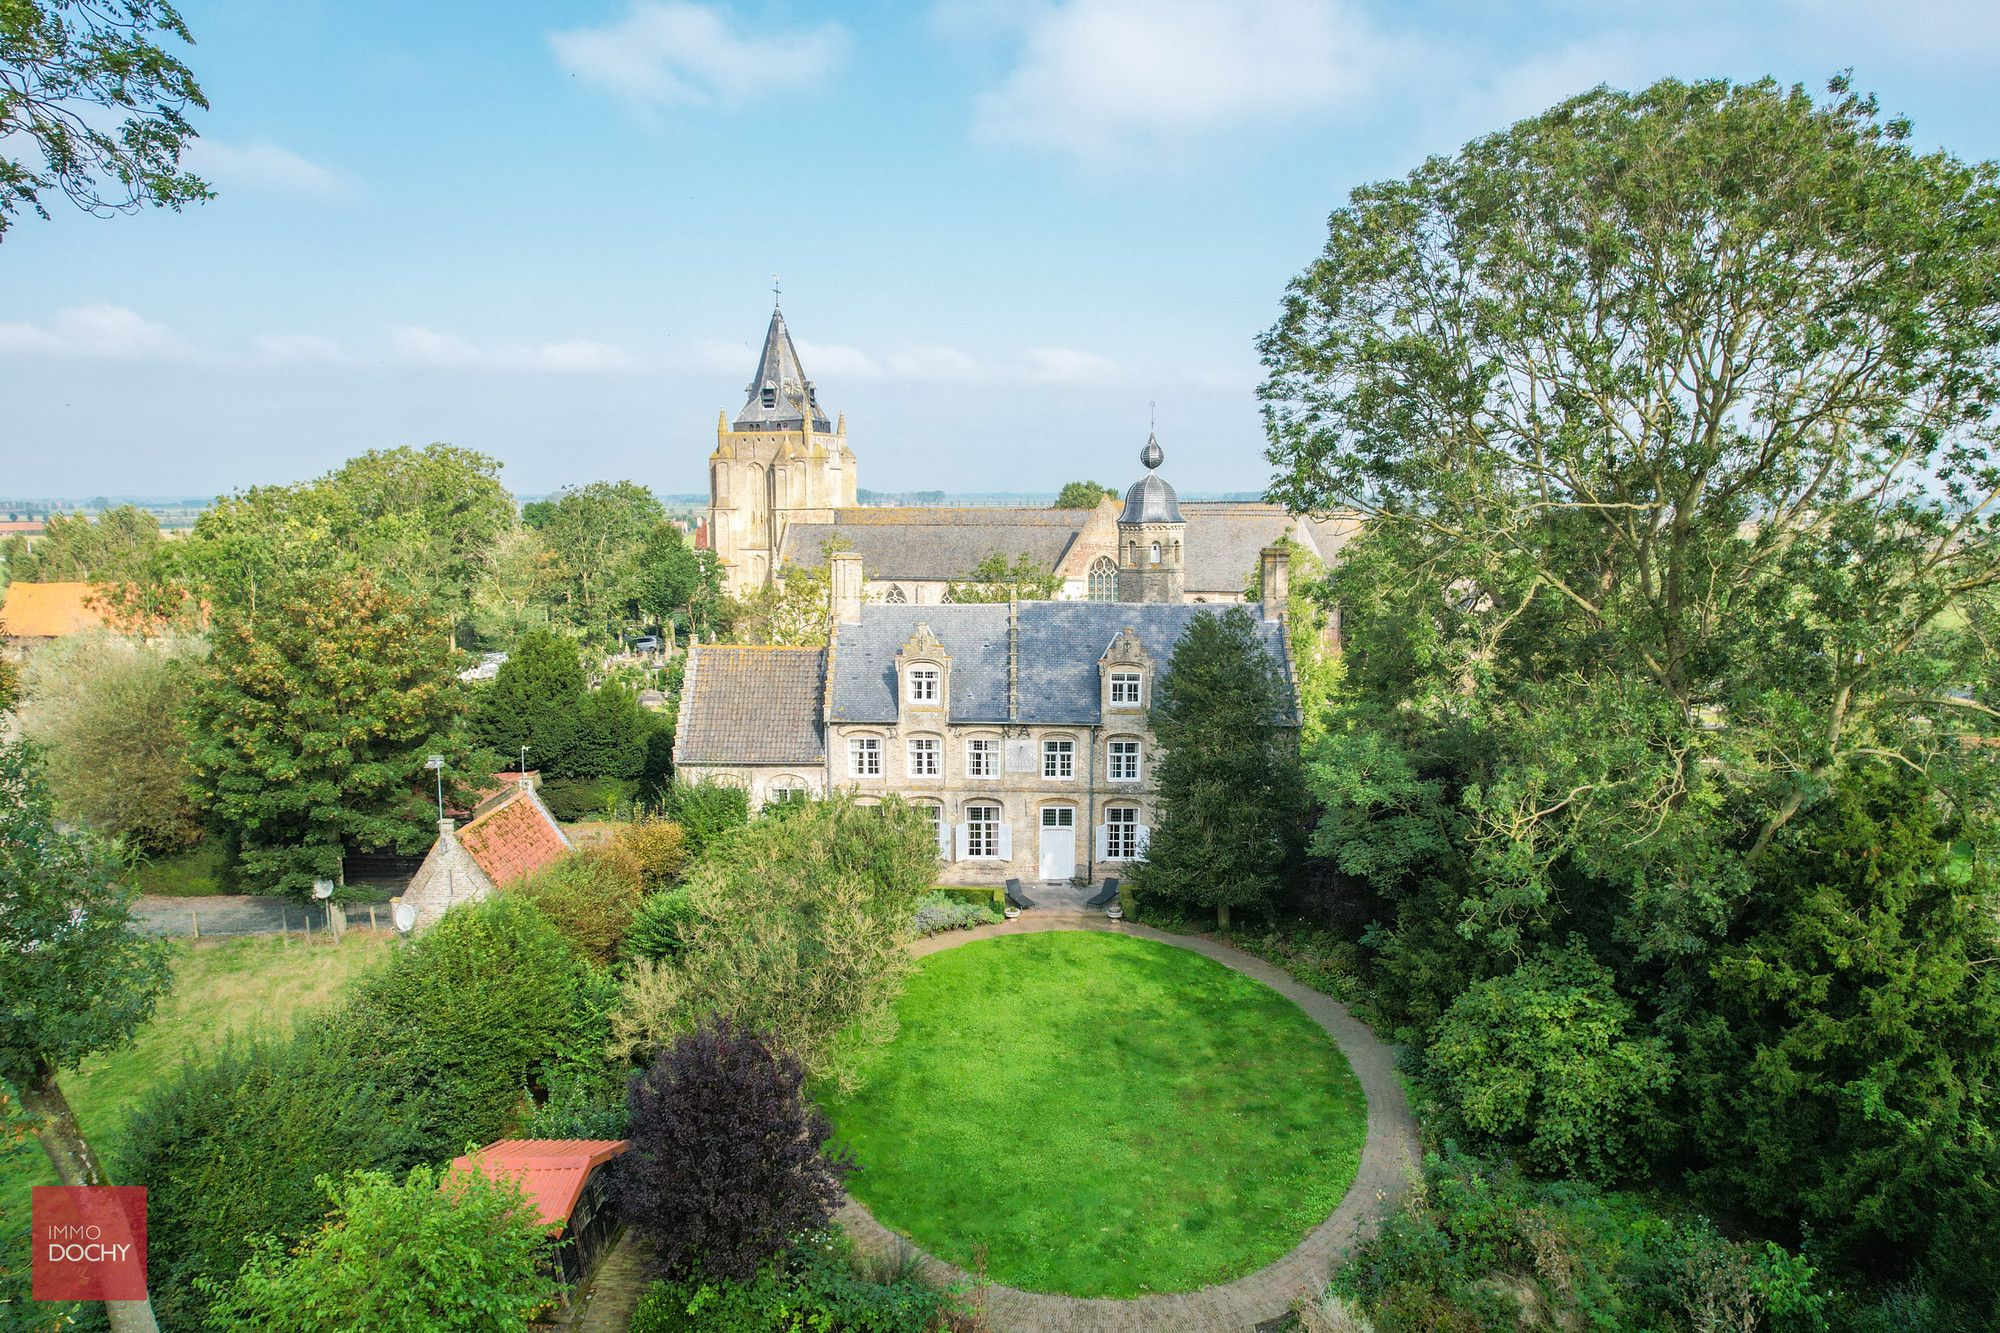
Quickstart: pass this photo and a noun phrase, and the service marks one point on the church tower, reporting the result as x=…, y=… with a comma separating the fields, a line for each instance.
x=1151, y=536
x=780, y=462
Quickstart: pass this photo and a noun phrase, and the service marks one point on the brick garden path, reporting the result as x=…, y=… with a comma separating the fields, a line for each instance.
x=1388, y=1161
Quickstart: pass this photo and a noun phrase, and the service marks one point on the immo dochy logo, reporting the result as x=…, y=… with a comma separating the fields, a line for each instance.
x=90, y=1243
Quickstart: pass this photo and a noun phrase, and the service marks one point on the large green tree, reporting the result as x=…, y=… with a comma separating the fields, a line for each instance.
x=596, y=534
x=674, y=578
x=91, y=90
x=1671, y=412
x=1676, y=407
x=1231, y=803
x=312, y=722
x=75, y=976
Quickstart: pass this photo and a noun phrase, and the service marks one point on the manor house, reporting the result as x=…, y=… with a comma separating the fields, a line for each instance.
x=1020, y=729
x=782, y=491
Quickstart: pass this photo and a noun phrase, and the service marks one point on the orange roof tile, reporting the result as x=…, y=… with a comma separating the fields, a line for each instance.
x=50, y=610
x=550, y=1172
x=515, y=838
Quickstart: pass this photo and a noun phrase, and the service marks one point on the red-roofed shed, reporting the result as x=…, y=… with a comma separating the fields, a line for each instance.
x=564, y=1181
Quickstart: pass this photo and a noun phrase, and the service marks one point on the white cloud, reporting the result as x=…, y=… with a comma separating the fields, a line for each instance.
x=1066, y=365
x=681, y=54
x=415, y=345
x=99, y=333
x=1103, y=78
x=263, y=166
x=833, y=361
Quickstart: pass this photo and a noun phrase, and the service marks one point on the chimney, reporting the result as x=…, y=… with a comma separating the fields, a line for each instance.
x=447, y=829
x=846, y=567
x=1274, y=581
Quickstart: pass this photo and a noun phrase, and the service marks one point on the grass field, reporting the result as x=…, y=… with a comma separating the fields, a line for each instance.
x=230, y=986
x=1101, y=1116
x=196, y=872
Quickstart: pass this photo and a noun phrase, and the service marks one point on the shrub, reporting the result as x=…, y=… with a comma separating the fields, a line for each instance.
x=812, y=1287
x=1478, y=1245
x=231, y=1148
x=938, y=912
x=589, y=897
x=656, y=930
x=484, y=1007
x=649, y=851
x=580, y=1107
x=796, y=930
x=421, y=1256
x=980, y=894
x=706, y=811
x=727, y=1162
x=1545, y=1058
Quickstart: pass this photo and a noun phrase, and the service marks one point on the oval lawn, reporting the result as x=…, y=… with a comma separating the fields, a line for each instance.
x=1100, y=1115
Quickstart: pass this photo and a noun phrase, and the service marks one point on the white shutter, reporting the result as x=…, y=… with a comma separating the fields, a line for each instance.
x=963, y=835
x=1006, y=838
x=1145, y=836
x=1103, y=843
x=944, y=839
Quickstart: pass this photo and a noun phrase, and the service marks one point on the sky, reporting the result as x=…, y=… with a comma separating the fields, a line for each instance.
x=1007, y=234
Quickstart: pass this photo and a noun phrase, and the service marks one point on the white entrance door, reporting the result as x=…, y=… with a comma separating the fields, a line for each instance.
x=1058, y=842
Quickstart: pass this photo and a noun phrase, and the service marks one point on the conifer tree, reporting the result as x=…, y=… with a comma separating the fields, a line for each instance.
x=1231, y=806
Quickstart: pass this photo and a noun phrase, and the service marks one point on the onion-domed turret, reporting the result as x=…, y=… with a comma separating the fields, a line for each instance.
x=1151, y=499
x=1150, y=535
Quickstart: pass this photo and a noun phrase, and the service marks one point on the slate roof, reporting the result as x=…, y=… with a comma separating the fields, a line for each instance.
x=1224, y=542
x=514, y=838
x=1060, y=645
x=550, y=1172
x=778, y=369
x=751, y=705
x=926, y=542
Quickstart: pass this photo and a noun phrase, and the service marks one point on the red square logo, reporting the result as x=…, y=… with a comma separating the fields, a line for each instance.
x=90, y=1243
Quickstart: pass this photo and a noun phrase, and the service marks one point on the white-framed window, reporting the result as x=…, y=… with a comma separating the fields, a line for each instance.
x=1126, y=688
x=982, y=758
x=925, y=753
x=1121, y=833
x=1059, y=760
x=923, y=685
x=982, y=831
x=1124, y=761
x=940, y=834
x=864, y=756
x=785, y=790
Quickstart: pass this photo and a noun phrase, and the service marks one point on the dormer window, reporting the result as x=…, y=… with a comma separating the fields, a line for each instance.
x=770, y=396
x=1125, y=688
x=923, y=685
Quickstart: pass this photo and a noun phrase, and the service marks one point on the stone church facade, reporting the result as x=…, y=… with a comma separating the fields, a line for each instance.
x=782, y=491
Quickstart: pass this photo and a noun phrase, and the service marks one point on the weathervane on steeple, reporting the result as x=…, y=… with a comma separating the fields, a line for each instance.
x=774, y=291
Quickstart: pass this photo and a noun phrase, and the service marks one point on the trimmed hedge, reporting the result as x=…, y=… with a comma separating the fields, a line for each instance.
x=815, y=1287
x=573, y=800
x=980, y=894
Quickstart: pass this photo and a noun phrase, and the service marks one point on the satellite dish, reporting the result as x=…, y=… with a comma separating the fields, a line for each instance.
x=406, y=917
x=322, y=889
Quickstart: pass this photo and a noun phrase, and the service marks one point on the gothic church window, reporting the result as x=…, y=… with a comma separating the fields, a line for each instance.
x=895, y=595
x=1103, y=582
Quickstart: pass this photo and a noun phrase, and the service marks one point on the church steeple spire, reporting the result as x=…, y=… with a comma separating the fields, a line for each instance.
x=780, y=395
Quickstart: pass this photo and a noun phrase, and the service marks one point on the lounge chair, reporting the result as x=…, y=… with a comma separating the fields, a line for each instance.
x=1016, y=898
x=1105, y=896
